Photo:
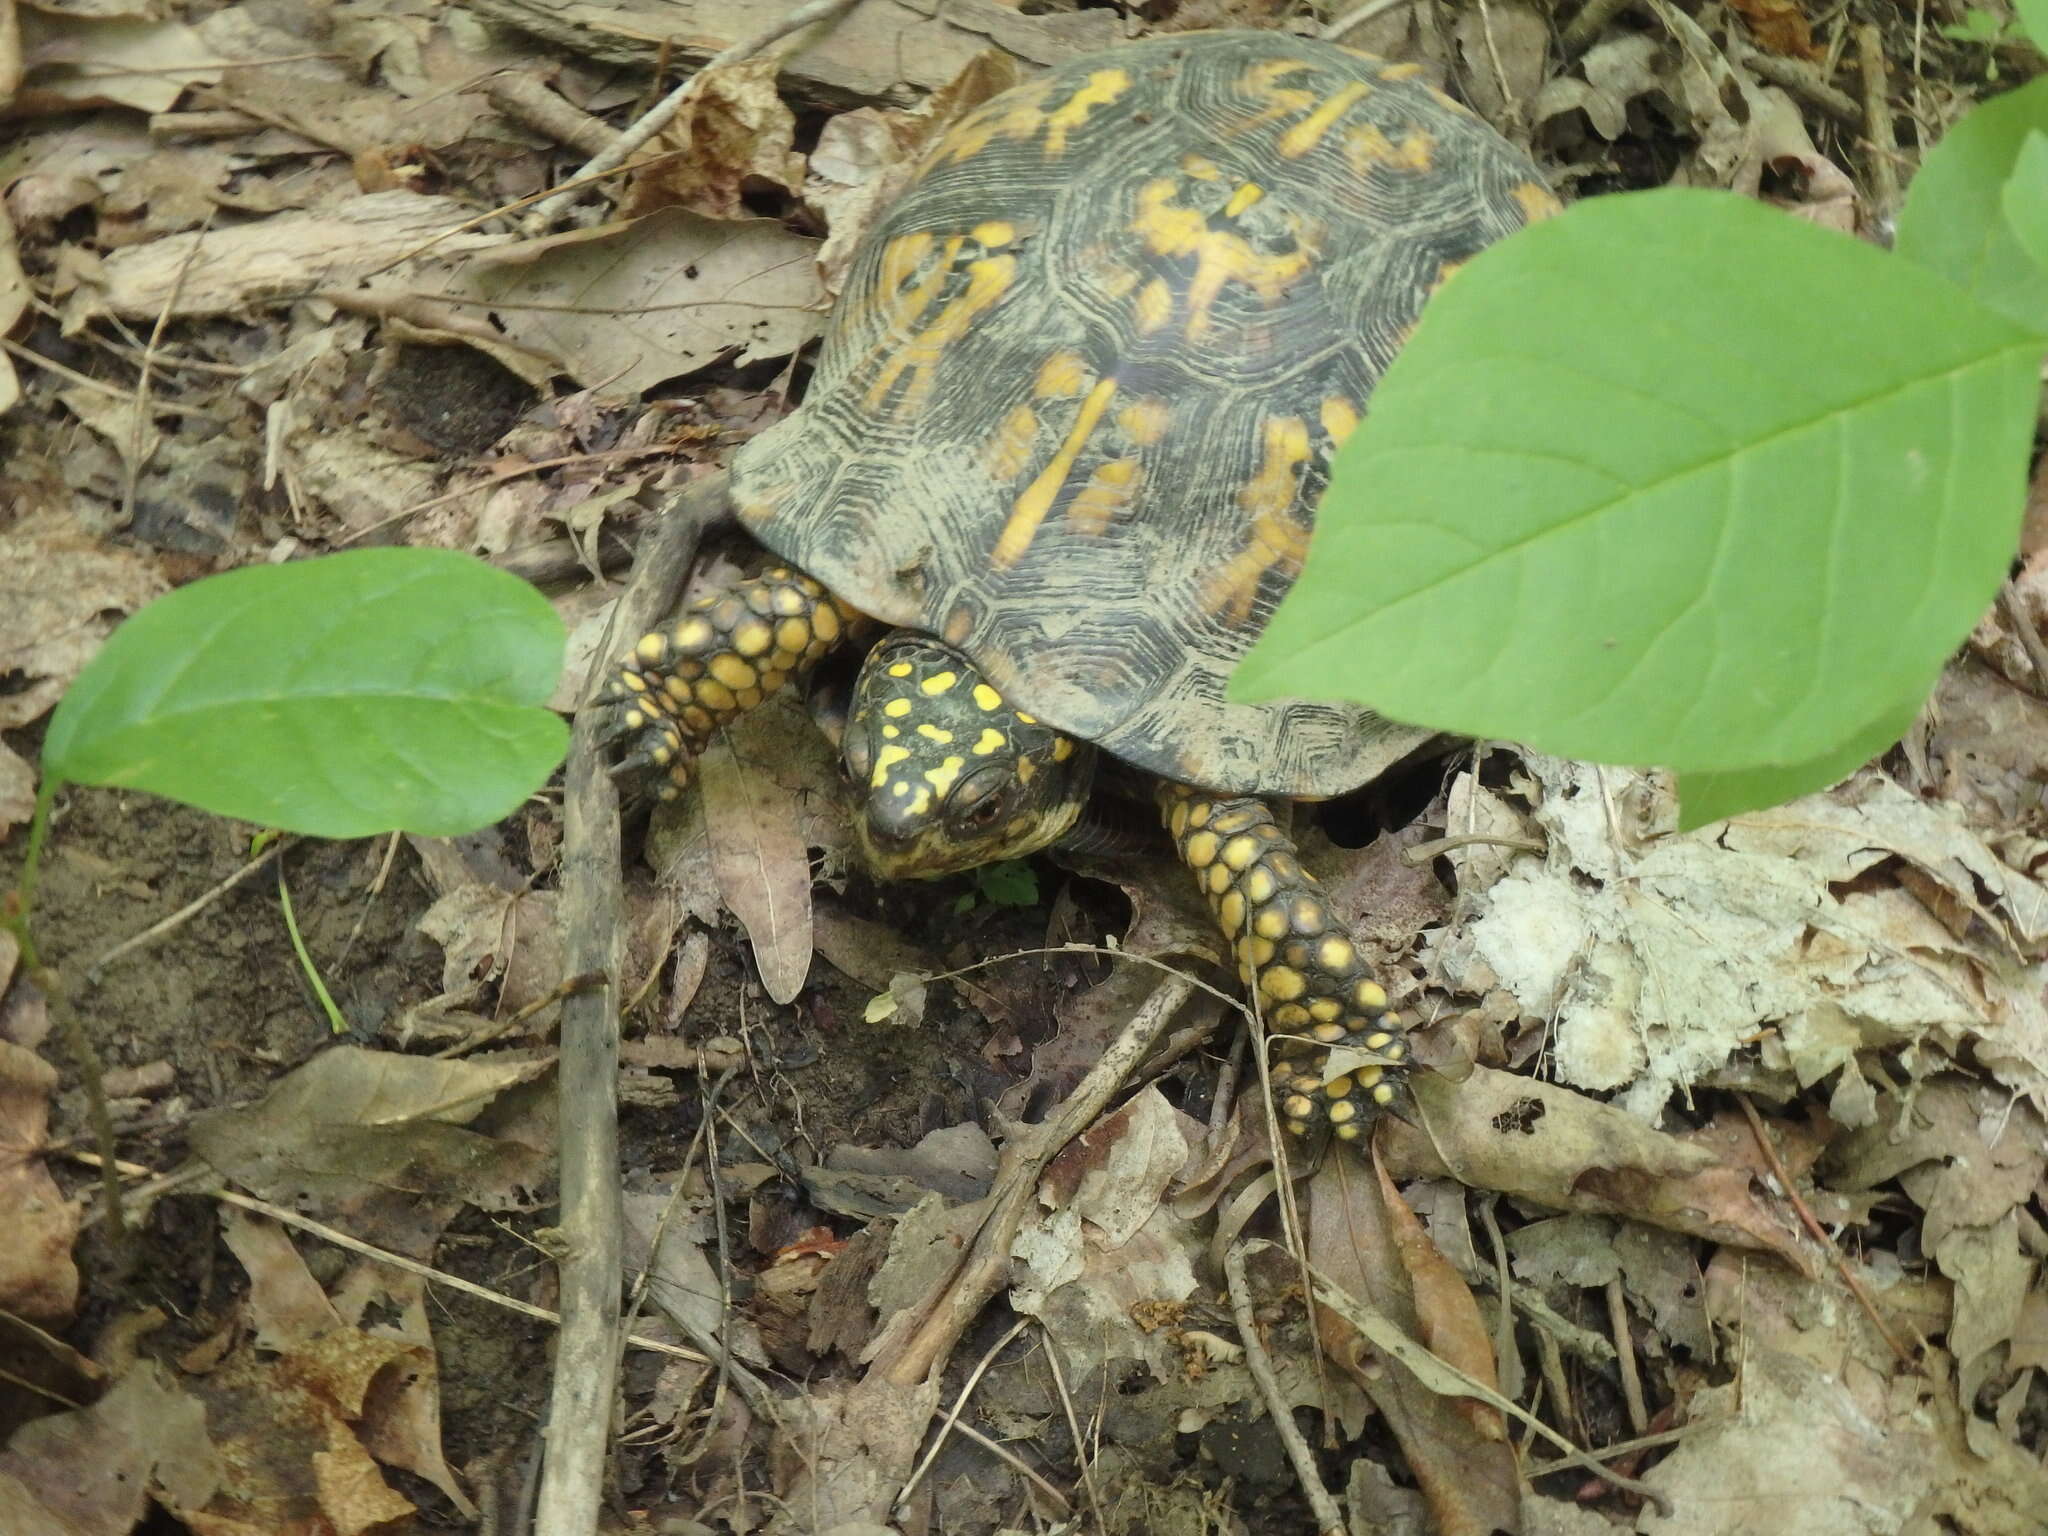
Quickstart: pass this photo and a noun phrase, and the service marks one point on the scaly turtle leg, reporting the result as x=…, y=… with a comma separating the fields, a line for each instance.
x=1313, y=987
x=721, y=655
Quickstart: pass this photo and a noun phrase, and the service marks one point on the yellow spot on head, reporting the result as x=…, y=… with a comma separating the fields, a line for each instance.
x=899, y=789
x=990, y=740
x=920, y=802
x=1062, y=748
x=938, y=683
x=987, y=697
x=931, y=732
x=896, y=709
x=886, y=759
x=890, y=732
x=943, y=777
x=1027, y=770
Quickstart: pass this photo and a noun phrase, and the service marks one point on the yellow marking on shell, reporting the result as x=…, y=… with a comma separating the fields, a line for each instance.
x=1400, y=71
x=752, y=637
x=1240, y=851
x=1537, y=201
x=886, y=759
x=959, y=625
x=1154, y=306
x=896, y=709
x=1311, y=130
x=1029, y=510
x=932, y=732
x=1062, y=747
x=900, y=259
x=1336, y=953
x=1259, y=886
x=1370, y=996
x=1270, y=923
x=987, y=281
x=1118, y=283
x=1339, y=418
x=1281, y=984
x=1108, y=491
x=1102, y=88
x=1230, y=911
x=1242, y=199
x=986, y=697
x=938, y=683
x=1144, y=421
x=1221, y=255
x=996, y=232
x=1444, y=273
x=990, y=740
x=1367, y=147
x=1016, y=114
x=1200, y=849
x=945, y=776
x=1009, y=450
x=900, y=669
x=1278, y=539
x=1062, y=375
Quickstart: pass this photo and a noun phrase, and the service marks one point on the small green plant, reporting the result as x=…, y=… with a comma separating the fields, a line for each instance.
x=1985, y=28
x=378, y=690
x=1675, y=479
x=1011, y=883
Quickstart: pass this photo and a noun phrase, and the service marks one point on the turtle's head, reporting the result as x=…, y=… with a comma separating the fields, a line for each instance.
x=953, y=776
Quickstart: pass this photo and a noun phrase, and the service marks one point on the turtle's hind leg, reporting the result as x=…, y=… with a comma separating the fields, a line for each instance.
x=1314, y=989
x=719, y=656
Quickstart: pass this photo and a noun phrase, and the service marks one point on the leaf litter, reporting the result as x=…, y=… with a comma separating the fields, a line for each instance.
x=1733, y=1153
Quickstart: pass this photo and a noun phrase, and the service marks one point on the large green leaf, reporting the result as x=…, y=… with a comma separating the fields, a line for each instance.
x=1672, y=479
x=380, y=689
x=2034, y=17
x=1954, y=220
x=2025, y=200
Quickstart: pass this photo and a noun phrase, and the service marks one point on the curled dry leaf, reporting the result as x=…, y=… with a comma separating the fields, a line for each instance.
x=763, y=869
x=733, y=128
x=38, y=1280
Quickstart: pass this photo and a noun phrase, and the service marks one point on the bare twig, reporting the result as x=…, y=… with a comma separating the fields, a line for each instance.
x=1625, y=1356
x=1328, y=1517
x=186, y=913
x=1877, y=120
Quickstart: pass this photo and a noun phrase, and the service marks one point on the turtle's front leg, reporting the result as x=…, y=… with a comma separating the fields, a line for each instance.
x=1314, y=989
x=720, y=655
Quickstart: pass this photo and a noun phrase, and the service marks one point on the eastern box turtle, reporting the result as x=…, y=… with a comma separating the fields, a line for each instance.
x=1069, y=427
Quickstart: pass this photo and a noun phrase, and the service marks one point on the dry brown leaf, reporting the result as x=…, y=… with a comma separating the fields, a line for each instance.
x=631, y=305
x=230, y=271
x=352, y=1120
x=1780, y=26
x=763, y=870
x=1357, y=1242
x=74, y=61
x=90, y=1472
x=1540, y=1142
x=489, y=934
x=733, y=128
x=61, y=592
x=38, y=1280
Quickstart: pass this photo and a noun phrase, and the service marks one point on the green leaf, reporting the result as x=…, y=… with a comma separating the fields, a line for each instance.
x=1955, y=221
x=1009, y=883
x=2033, y=19
x=338, y=697
x=1706, y=797
x=1977, y=26
x=2025, y=200
x=1670, y=479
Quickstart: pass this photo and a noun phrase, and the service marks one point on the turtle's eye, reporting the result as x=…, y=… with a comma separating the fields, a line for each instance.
x=983, y=797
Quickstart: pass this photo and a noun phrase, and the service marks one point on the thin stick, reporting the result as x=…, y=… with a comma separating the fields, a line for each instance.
x=665, y=110
x=186, y=913
x=952, y=1419
x=1816, y=1231
x=1877, y=119
x=1625, y=1353
x=384, y=1256
x=1328, y=1517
